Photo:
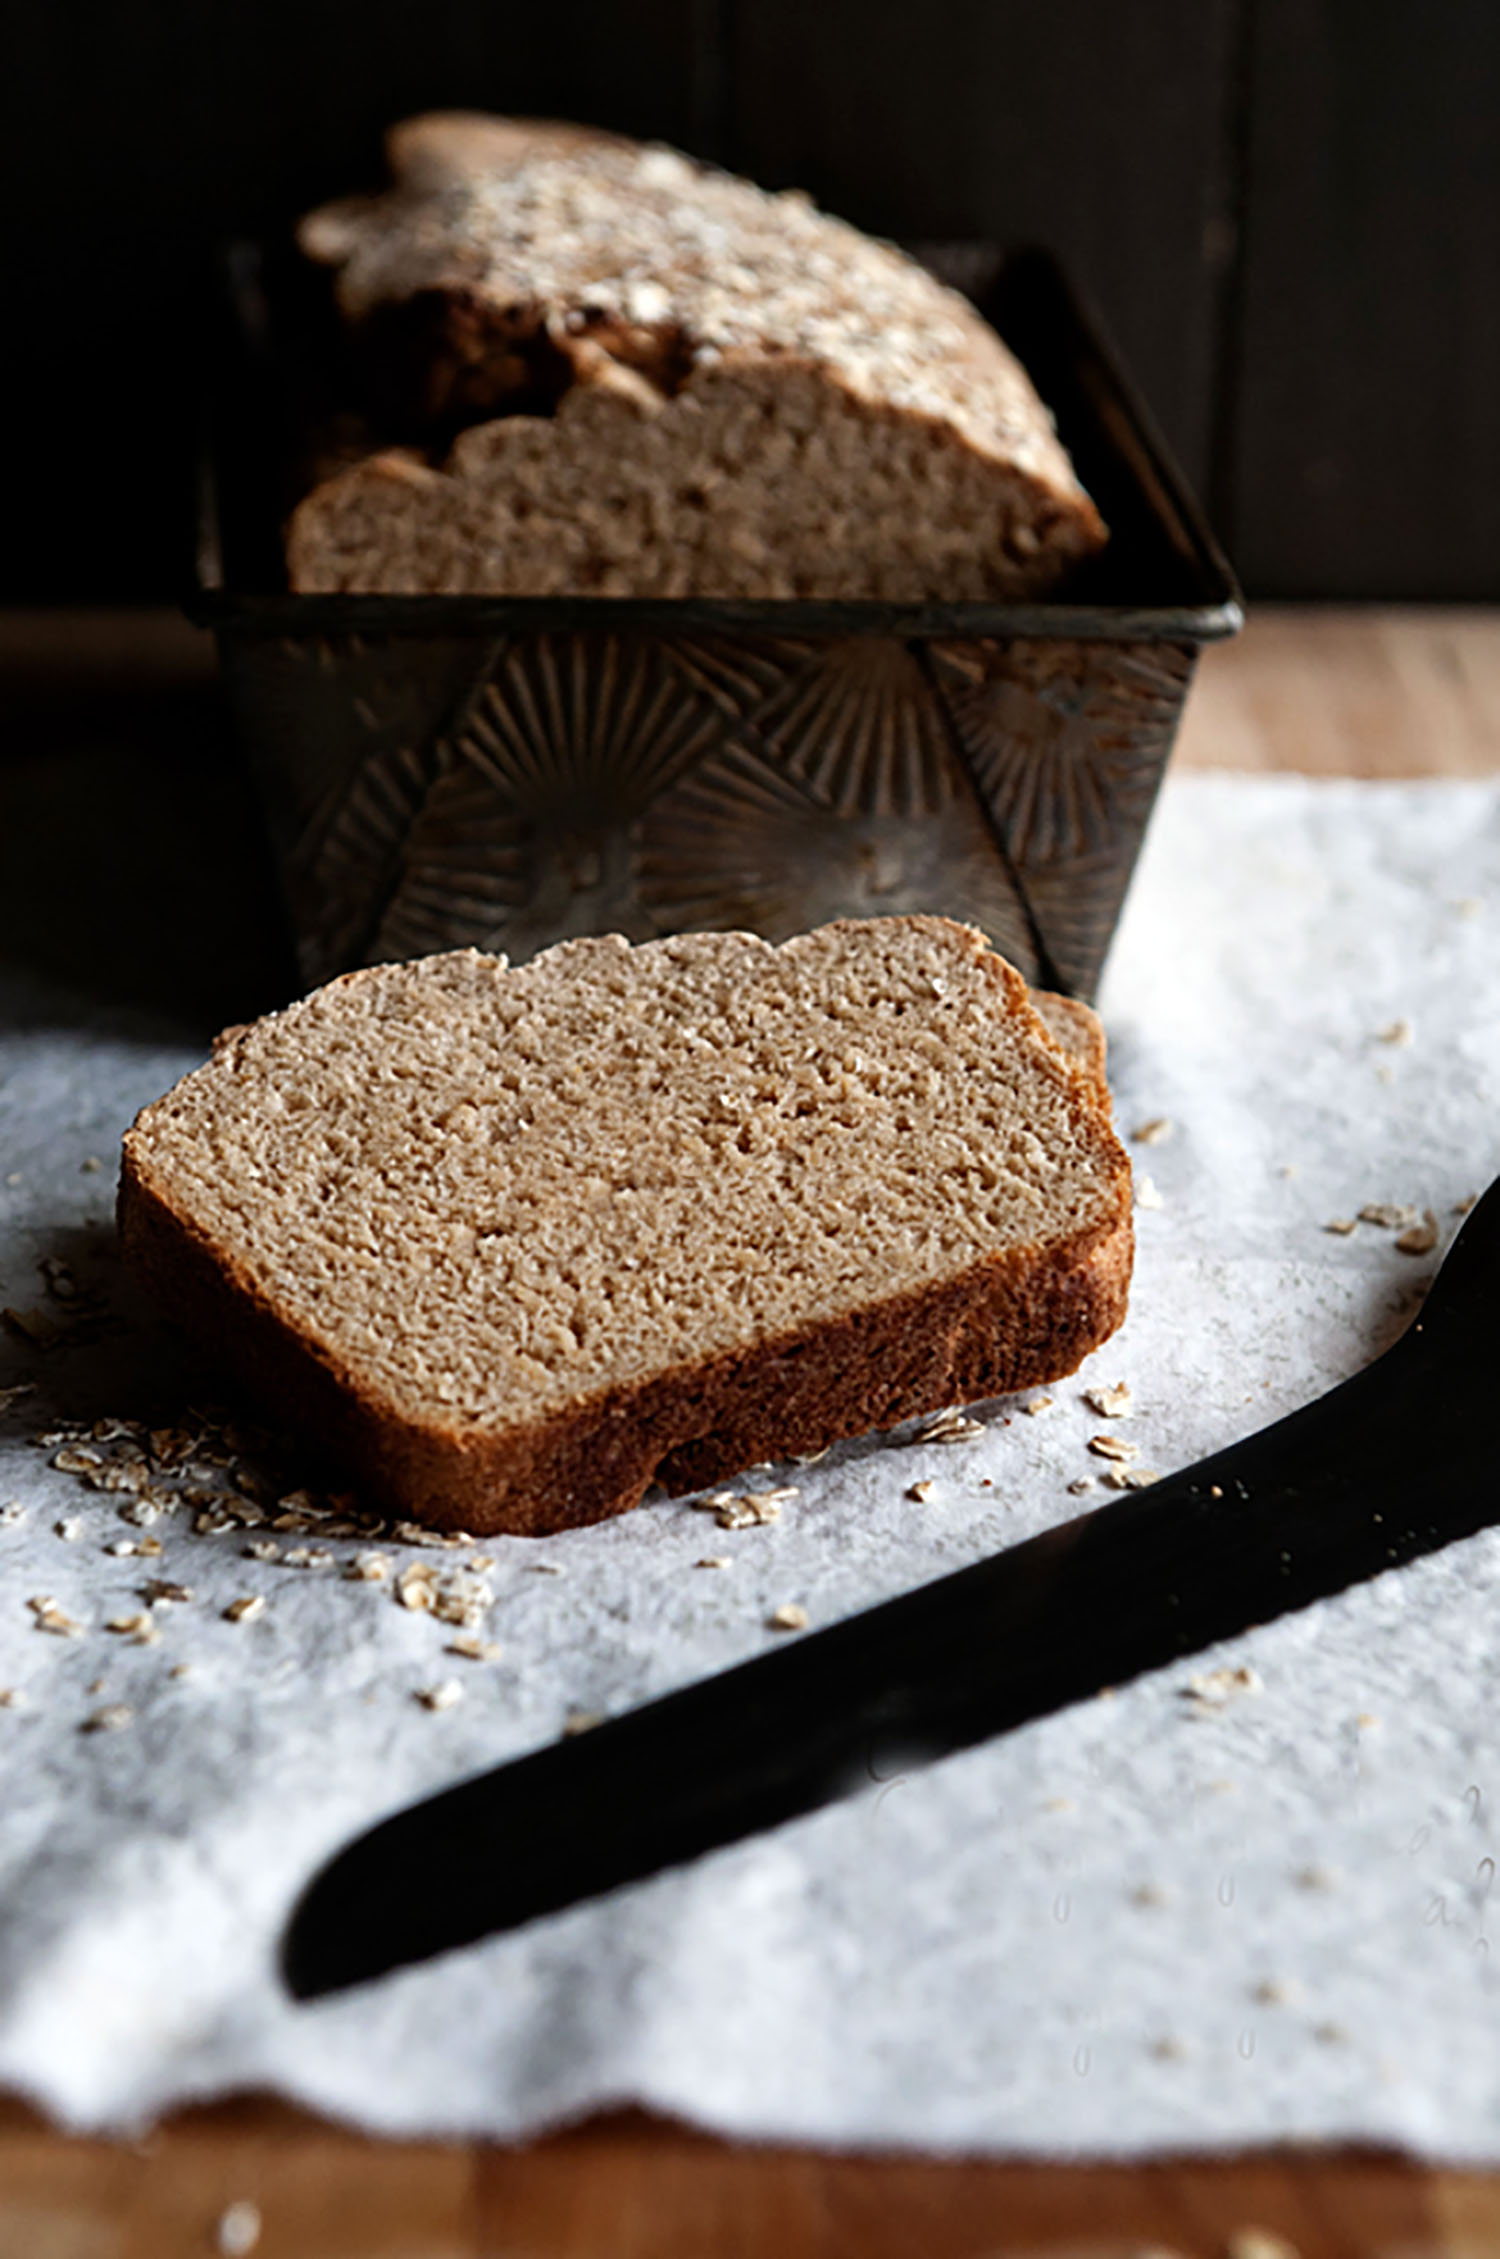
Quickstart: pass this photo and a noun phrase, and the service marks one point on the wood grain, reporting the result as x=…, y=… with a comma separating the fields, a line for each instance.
x=1367, y=448
x=1371, y=693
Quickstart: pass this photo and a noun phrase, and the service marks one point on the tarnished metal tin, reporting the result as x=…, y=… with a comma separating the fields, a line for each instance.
x=443, y=772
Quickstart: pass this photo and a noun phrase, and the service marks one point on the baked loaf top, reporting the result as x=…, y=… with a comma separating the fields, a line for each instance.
x=485, y=1200
x=519, y=266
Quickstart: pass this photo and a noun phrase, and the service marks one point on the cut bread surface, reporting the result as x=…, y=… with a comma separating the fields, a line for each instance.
x=618, y=372
x=516, y=1241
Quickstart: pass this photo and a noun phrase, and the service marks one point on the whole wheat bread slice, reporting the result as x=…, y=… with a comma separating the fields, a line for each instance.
x=512, y=1244
x=665, y=382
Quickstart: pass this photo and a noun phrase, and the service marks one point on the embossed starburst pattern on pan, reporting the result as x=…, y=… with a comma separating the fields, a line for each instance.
x=508, y=793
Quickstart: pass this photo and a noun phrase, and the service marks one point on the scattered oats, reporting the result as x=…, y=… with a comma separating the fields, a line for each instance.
x=1419, y=1239
x=69, y=1529
x=1343, y=1225
x=1146, y=1194
x=461, y=1599
x=291, y=1522
x=12, y=1698
x=78, y=1459
x=1258, y=2243
x=582, y=1721
x=238, y=2230
x=472, y=1649
x=1113, y=1447
x=58, y=1278
x=948, y=1427
x=110, y=1719
x=125, y=1547
x=52, y=1618
x=263, y=1549
x=161, y=1589
x=1154, y=1132
x=810, y=1458
x=1214, y=1690
x=307, y=1557
x=1081, y=1483
x=922, y=1492
x=444, y=1696
x=1112, y=1401
x=1390, y=1215
x=368, y=1568
x=714, y=1561
x=1396, y=1032
x=206, y=1524
x=750, y=1509
x=1462, y=1207
x=790, y=1616
x=90, y=1165
x=11, y=1513
x=545, y=1569
x=479, y=1562
x=1037, y=1404
x=1129, y=1478
x=410, y=1533
x=413, y=1588
x=246, y=1610
x=140, y=1628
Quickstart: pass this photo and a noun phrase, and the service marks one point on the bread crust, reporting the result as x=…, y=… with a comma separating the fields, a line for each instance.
x=1007, y=1323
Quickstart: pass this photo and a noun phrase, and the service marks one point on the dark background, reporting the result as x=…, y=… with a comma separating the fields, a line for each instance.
x=1288, y=212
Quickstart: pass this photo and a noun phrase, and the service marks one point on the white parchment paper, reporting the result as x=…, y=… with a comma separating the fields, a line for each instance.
x=1156, y=1921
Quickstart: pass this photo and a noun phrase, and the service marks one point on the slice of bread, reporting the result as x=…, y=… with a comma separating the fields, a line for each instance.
x=616, y=372
x=510, y=1245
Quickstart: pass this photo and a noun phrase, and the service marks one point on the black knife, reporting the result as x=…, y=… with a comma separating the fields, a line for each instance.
x=1390, y=1465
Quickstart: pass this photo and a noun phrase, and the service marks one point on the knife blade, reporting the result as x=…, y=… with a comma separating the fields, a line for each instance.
x=1323, y=1499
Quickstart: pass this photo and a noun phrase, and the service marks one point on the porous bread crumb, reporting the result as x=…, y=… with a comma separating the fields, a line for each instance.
x=884, y=1146
x=368, y=1568
x=790, y=1616
x=747, y=397
x=244, y=1611
x=1112, y=1400
x=443, y=1696
x=922, y=1492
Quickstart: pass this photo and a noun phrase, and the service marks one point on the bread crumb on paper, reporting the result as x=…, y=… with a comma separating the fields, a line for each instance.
x=1419, y=1238
x=1155, y=1132
x=1342, y=1225
x=1146, y=1194
x=1036, y=1404
x=790, y=1616
x=922, y=1492
x=1395, y=1032
x=1113, y=1447
x=446, y=1695
x=245, y=1611
x=1111, y=1400
x=112, y=1718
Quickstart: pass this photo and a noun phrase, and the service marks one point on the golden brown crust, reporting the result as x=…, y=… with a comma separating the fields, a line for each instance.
x=1005, y=1324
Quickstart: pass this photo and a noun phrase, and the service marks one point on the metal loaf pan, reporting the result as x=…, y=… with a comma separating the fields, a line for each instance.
x=439, y=772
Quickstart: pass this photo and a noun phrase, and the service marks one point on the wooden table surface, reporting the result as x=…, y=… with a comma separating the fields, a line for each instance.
x=1376, y=693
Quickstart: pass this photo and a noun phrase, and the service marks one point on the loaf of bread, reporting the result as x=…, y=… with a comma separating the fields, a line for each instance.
x=626, y=374
x=512, y=1244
